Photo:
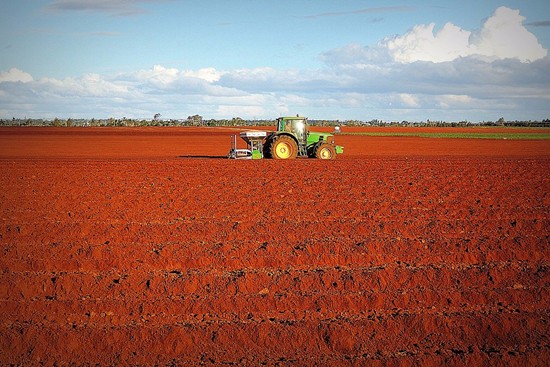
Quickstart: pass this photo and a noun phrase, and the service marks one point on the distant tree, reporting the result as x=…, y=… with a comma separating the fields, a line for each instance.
x=237, y=121
x=195, y=120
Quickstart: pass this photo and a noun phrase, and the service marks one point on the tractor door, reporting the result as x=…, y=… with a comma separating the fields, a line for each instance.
x=298, y=128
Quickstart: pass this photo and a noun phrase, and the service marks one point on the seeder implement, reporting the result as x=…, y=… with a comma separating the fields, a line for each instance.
x=254, y=145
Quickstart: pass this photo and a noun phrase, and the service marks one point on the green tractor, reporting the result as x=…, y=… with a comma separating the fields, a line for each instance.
x=292, y=139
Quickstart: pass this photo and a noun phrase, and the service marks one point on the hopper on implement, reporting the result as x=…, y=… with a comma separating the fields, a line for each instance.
x=254, y=145
x=292, y=139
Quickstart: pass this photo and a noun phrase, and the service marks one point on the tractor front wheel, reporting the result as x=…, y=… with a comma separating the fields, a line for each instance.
x=283, y=147
x=325, y=151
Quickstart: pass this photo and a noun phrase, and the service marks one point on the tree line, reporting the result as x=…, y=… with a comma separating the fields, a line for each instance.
x=197, y=120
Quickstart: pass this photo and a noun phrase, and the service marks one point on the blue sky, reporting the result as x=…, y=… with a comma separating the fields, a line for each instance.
x=334, y=59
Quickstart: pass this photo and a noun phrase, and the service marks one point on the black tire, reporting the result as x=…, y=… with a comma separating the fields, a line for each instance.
x=283, y=147
x=311, y=150
x=267, y=148
x=325, y=151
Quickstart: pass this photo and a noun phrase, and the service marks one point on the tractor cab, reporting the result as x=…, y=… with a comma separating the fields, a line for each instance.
x=296, y=126
x=297, y=129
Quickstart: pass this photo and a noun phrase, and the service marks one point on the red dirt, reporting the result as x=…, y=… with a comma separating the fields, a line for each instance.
x=120, y=246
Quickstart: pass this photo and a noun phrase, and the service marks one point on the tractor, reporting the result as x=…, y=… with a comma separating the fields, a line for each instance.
x=292, y=139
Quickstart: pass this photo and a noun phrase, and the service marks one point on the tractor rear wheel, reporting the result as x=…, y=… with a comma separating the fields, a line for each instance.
x=325, y=151
x=283, y=147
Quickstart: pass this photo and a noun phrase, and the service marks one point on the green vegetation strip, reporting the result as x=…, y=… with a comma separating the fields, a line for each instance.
x=459, y=135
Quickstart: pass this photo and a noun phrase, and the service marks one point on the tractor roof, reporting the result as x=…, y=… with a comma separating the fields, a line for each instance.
x=293, y=118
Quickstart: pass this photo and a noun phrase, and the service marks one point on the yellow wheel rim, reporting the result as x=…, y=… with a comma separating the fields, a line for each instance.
x=284, y=150
x=325, y=153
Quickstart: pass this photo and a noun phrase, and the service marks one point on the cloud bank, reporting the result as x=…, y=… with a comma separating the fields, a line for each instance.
x=501, y=36
x=451, y=74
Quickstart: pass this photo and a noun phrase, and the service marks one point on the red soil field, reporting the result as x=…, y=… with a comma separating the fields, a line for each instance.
x=142, y=246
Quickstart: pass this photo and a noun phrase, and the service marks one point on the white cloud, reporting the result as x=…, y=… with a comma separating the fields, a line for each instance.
x=501, y=36
x=504, y=36
x=159, y=75
x=208, y=74
x=87, y=86
x=171, y=78
x=454, y=101
x=420, y=44
x=409, y=100
x=15, y=75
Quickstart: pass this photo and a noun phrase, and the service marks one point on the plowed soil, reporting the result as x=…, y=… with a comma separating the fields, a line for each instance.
x=145, y=247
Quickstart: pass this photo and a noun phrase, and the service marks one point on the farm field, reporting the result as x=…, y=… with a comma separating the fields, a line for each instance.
x=144, y=246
